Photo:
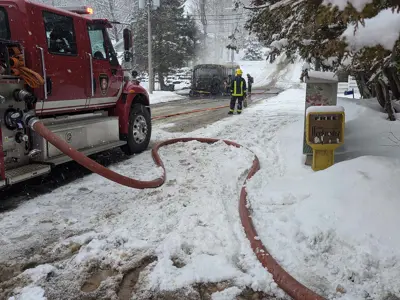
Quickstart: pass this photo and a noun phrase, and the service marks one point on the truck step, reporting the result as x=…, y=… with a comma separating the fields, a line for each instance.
x=26, y=172
x=60, y=159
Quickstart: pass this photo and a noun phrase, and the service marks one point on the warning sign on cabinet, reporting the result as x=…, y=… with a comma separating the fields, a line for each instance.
x=325, y=128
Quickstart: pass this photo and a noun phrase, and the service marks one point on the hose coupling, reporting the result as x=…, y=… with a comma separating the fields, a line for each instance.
x=30, y=118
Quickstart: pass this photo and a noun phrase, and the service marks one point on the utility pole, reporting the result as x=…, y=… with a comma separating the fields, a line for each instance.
x=133, y=51
x=219, y=37
x=149, y=4
x=203, y=20
x=150, y=44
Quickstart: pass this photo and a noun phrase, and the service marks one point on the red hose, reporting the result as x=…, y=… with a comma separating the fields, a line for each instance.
x=286, y=282
x=190, y=112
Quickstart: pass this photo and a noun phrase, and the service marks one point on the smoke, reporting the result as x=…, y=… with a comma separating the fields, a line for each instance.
x=213, y=52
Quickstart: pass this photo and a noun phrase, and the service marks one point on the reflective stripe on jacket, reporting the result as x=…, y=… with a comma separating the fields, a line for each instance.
x=238, y=86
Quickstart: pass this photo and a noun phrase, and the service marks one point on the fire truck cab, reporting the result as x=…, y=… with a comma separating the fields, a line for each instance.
x=84, y=95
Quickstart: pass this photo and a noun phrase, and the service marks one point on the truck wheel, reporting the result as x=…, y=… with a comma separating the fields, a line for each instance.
x=139, y=130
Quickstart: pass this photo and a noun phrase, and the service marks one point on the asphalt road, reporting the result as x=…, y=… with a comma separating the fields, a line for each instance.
x=193, y=121
x=69, y=172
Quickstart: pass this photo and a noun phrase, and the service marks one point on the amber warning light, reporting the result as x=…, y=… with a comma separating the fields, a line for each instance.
x=89, y=10
x=82, y=10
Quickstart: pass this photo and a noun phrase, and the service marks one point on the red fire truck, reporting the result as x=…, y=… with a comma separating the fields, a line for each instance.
x=59, y=63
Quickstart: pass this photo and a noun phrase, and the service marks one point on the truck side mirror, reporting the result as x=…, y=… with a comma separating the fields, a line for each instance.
x=127, y=34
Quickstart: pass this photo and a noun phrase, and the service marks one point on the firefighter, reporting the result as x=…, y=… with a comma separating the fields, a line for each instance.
x=250, y=81
x=238, y=91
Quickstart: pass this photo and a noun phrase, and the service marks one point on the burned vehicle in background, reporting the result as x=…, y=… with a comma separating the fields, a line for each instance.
x=212, y=79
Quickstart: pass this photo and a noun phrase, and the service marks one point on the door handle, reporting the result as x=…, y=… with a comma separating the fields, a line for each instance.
x=43, y=71
x=92, y=85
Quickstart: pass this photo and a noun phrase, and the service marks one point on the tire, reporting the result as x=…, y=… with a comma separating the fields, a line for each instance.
x=139, y=130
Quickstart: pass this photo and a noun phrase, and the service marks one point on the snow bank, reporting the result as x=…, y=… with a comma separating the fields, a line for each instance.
x=336, y=227
x=164, y=96
x=383, y=29
x=280, y=74
x=259, y=70
x=335, y=230
x=367, y=131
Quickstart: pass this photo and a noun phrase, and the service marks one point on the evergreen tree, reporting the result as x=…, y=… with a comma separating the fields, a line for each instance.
x=253, y=50
x=314, y=30
x=175, y=38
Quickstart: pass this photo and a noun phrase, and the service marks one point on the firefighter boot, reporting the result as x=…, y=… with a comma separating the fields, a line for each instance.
x=239, y=106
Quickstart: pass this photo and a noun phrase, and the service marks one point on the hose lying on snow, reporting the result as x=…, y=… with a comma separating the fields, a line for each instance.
x=286, y=282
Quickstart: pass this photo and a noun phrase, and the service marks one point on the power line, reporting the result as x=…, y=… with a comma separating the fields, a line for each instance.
x=225, y=18
x=227, y=23
x=219, y=15
x=220, y=20
x=213, y=18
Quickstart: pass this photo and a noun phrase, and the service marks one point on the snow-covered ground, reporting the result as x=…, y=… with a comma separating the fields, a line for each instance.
x=164, y=96
x=280, y=74
x=334, y=230
x=161, y=96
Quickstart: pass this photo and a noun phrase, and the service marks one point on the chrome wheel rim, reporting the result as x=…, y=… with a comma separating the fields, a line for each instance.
x=139, y=129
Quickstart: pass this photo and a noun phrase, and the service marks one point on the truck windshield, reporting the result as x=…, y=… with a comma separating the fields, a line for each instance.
x=206, y=72
x=4, y=28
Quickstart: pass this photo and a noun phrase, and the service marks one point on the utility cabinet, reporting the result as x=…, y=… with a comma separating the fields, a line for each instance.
x=321, y=90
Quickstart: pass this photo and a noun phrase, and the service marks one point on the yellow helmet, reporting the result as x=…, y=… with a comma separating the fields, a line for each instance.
x=239, y=72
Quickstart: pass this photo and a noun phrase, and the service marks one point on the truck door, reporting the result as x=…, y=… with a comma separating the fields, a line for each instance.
x=67, y=81
x=107, y=74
